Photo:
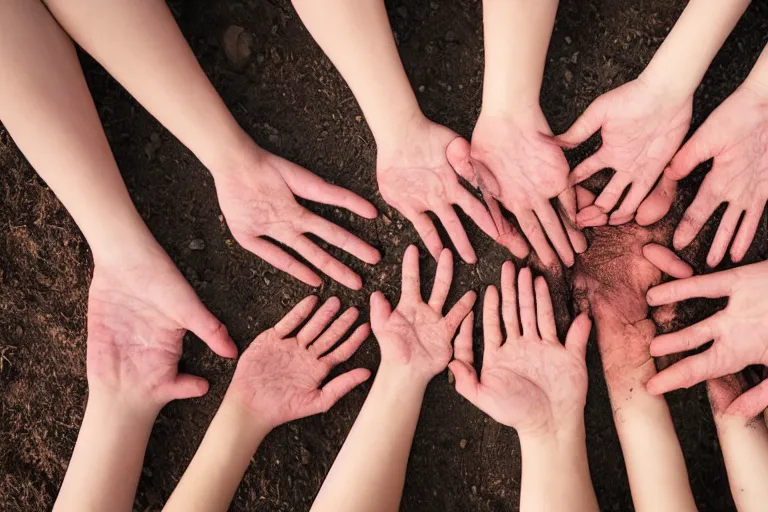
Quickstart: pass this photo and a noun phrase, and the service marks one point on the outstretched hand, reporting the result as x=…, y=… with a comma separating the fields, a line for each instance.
x=278, y=377
x=416, y=336
x=641, y=130
x=736, y=136
x=739, y=333
x=137, y=316
x=257, y=199
x=531, y=382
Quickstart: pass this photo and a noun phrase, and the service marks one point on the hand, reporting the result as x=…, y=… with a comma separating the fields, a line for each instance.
x=278, y=377
x=257, y=199
x=519, y=164
x=416, y=336
x=137, y=316
x=418, y=174
x=739, y=333
x=736, y=135
x=641, y=129
x=530, y=382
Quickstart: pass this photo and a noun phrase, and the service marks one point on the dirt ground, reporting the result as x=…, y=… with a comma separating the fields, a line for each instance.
x=293, y=102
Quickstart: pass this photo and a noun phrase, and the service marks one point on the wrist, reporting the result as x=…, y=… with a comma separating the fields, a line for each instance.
x=665, y=88
x=121, y=408
x=568, y=431
x=246, y=426
x=403, y=378
x=392, y=135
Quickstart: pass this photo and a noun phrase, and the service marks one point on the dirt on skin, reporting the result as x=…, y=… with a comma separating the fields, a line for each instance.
x=289, y=97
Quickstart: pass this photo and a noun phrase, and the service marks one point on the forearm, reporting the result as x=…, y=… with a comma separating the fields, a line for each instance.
x=106, y=464
x=679, y=65
x=212, y=478
x=356, y=36
x=745, y=451
x=567, y=488
x=369, y=473
x=139, y=43
x=517, y=34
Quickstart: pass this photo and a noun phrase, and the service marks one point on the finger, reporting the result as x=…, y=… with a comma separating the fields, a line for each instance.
x=658, y=203
x=551, y=223
x=411, y=287
x=567, y=200
x=335, y=332
x=509, y=300
x=629, y=205
x=462, y=347
x=586, y=125
x=584, y=197
x=751, y=403
x=612, y=192
x=349, y=347
x=508, y=236
x=586, y=169
x=545, y=314
x=326, y=263
x=724, y=235
x=310, y=186
x=686, y=339
x=526, y=301
x=381, y=310
x=458, y=155
x=427, y=231
x=459, y=311
x=578, y=336
x=456, y=231
x=209, y=329
x=667, y=261
x=185, y=386
x=326, y=397
x=319, y=321
x=477, y=212
x=281, y=260
x=466, y=380
x=341, y=238
x=295, y=316
x=746, y=234
x=686, y=373
x=723, y=391
x=590, y=217
x=703, y=206
x=710, y=286
x=443, y=278
x=491, y=321
x=530, y=226
x=693, y=152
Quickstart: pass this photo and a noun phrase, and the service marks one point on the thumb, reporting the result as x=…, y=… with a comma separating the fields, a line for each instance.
x=667, y=261
x=466, y=379
x=209, y=329
x=751, y=403
x=587, y=124
x=698, y=149
x=457, y=154
x=723, y=391
x=381, y=309
x=578, y=336
x=185, y=386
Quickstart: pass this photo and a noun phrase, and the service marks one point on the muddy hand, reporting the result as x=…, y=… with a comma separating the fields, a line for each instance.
x=279, y=376
x=738, y=331
x=529, y=381
x=736, y=136
x=258, y=201
x=640, y=130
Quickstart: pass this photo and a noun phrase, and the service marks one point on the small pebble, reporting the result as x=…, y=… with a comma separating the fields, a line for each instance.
x=463, y=444
x=387, y=220
x=197, y=244
x=568, y=40
x=19, y=330
x=474, y=489
x=237, y=45
x=422, y=88
x=305, y=456
x=568, y=76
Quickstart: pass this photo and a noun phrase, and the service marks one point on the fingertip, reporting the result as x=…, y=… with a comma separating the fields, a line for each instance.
x=652, y=298
x=652, y=386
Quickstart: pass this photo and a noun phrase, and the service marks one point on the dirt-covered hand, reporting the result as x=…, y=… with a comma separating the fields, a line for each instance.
x=739, y=333
x=416, y=336
x=518, y=163
x=257, y=199
x=418, y=174
x=641, y=130
x=531, y=382
x=137, y=316
x=736, y=136
x=278, y=377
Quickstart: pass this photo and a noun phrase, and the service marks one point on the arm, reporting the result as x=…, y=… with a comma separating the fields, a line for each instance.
x=415, y=342
x=643, y=122
x=139, y=43
x=535, y=385
x=277, y=380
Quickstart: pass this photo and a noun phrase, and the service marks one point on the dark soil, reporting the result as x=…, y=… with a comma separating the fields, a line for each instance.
x=293, y=102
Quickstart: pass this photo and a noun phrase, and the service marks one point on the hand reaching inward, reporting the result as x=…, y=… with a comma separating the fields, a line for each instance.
x=531, y=382
x=736, y=136
x=641, y=130
x=739, y=333
x=258, y=200
x=416, y=336
x=137, y=316
x=418, y=175
x=517, y=163
x=278, y=377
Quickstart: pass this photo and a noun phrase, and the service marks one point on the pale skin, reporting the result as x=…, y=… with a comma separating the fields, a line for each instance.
x=139, y=43
x=744, y=444
x=643, y=122
x=278, y=379
x=415, y=342
x=536, y=385
x=735, y=135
